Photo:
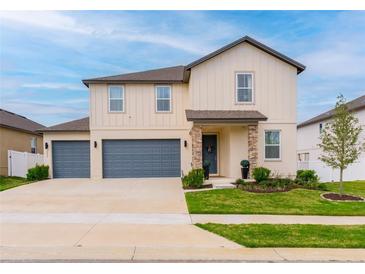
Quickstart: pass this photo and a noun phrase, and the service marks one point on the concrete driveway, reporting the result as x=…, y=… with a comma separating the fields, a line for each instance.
x=105, y=219
x=160, y=195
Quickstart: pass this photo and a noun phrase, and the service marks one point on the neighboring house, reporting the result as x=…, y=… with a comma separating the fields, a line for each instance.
x=308, y=140
x=17, y=133
x=236, y=103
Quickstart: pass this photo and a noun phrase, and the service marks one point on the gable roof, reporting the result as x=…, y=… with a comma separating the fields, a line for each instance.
x=300, y=67
x=18, y=122
x=75, y=125
x=175, y=74
x=356, y=104
x=181, y=74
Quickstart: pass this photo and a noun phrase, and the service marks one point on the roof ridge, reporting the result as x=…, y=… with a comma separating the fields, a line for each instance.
x=13, y=113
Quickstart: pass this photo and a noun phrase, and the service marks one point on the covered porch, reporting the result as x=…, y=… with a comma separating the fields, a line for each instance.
x=223, y=139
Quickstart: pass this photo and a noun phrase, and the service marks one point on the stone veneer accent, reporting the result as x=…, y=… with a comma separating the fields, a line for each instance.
x=252, y=146
x=197, y=147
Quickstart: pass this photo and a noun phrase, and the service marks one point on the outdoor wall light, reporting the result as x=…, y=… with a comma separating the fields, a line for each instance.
x=185, y=143
x=95, y=144
x=46, y=145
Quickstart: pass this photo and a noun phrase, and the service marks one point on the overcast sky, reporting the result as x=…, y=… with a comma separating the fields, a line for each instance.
x=44, y=55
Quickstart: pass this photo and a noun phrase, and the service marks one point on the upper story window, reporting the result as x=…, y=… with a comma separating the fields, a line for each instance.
x=272, y=144
x=116, y=98
x=163, y=98
x=244, y=87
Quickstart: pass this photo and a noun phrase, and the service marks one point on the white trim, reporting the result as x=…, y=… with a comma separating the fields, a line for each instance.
x=121, y=98
x=170, y=99
x=252, y=88
x=272, y=159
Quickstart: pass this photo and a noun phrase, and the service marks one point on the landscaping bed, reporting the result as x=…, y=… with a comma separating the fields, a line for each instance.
x=343, y=197
x=280, y=235
x=207, y=186
x=294, y=202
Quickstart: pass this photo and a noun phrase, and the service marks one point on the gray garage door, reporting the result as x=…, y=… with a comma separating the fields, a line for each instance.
x=141, y=158
x=71, y=159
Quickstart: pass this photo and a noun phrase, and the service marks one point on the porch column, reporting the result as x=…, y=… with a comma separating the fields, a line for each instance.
x=196, y=145
x=252, y=146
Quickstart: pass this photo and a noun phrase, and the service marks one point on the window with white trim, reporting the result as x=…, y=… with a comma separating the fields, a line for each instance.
x=116, y=98
x=33, y=145
x=163, y=98
x=244, y=87
x=272, y=144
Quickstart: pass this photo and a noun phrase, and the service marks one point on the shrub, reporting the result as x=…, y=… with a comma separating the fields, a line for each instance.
x=241, y=182
x=261, y=174
x=245, y=163
x=38, y=173
x=307, y=175
x=194, y=179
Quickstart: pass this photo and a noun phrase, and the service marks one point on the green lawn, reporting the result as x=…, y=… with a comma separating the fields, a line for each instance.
x=268, y=235
x=10, y=182
x=296, y=202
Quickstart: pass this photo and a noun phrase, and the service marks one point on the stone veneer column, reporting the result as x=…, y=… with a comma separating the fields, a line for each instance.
x=252, y=146
x=196, y=146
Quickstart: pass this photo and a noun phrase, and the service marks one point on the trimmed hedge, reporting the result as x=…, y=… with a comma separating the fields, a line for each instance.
x=38, y=173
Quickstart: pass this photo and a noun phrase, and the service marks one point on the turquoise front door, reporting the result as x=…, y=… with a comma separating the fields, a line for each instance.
x=210, y=152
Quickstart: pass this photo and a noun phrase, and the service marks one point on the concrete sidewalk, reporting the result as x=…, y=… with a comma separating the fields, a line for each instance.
x=174, y=219
x=276, y=219
x=178, y=254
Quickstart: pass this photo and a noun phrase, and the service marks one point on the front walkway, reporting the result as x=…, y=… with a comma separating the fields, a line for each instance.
x=172, y=219
x=276, y=219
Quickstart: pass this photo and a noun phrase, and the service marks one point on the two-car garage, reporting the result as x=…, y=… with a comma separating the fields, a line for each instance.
x=120, y=158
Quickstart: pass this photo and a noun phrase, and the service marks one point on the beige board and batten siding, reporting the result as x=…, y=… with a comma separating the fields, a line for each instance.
x=140, y=108
x=139, y=120
x=212, y=87
x=212, y=83
x=48, y=137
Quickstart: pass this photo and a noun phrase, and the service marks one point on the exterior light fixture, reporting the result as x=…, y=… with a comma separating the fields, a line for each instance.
x=46, y=145
x=95, y=144
x=185, y=143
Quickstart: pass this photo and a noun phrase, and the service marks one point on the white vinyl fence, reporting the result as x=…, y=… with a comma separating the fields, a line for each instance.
x=355, y=171
x=20, y=162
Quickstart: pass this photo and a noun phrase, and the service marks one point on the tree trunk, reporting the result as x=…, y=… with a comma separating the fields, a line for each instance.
x=341, y=184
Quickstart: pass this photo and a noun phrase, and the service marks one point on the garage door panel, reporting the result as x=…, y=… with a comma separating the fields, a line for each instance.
x=71, y=159
x=141, y=158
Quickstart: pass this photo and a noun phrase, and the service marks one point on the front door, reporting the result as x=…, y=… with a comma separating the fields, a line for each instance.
x=210, y=152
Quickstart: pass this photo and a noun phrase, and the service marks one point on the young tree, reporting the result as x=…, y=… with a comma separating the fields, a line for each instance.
x=340, y=139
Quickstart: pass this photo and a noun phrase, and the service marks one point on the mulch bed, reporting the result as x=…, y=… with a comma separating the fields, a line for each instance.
x=258, y=189
x=202, y=187
x=344, y=197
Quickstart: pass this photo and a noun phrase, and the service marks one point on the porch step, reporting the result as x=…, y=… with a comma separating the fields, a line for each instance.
x=223, y=186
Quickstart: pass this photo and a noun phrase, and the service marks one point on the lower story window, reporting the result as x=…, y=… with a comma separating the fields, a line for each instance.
x=272, y=145
x=33, y=145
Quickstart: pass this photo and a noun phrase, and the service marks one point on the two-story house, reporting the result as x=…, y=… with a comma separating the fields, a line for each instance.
x=309, y=138
x=236, y=103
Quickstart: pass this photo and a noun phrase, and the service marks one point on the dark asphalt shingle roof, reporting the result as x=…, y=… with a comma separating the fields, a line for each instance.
x=16, y=121
x=356, y=104
x=181, y=74
x=75, y=125
x=224, y=115
x=163, y=75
